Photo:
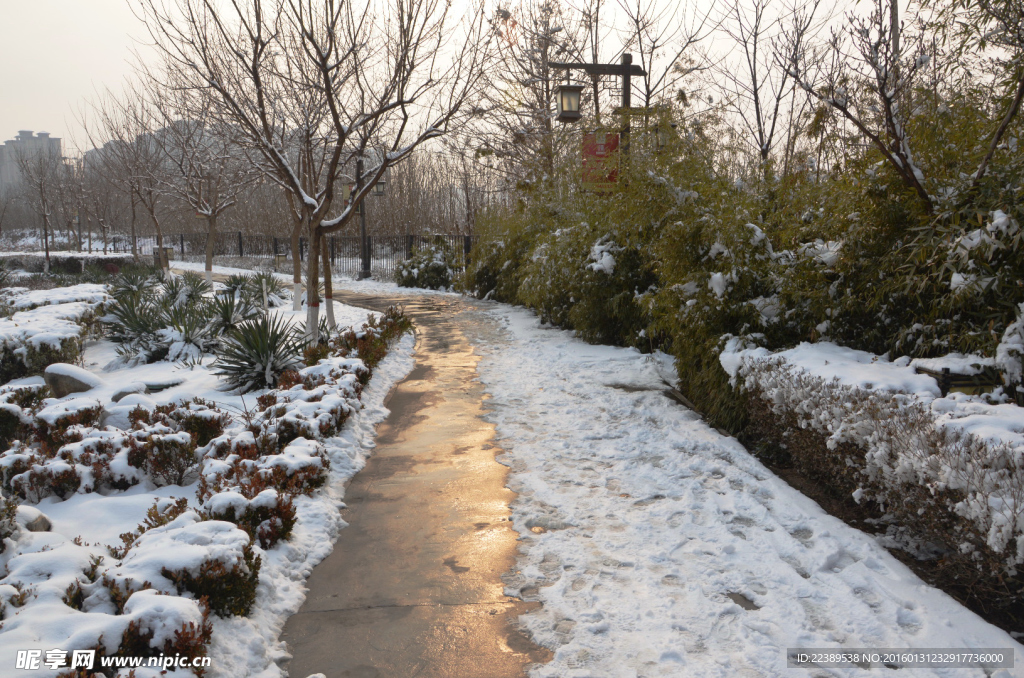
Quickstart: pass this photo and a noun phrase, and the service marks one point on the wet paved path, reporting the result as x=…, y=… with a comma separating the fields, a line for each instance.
x=413, y=587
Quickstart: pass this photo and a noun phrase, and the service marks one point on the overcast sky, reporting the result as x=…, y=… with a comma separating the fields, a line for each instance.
x=54, y=55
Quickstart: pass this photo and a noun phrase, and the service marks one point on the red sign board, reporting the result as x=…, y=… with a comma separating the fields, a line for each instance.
x=600, y=161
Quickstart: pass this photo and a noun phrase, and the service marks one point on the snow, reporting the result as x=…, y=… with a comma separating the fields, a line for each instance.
x=994, y=422
x=45, y=564
x=851, y=367
x=661, y=533
x=87, y=292
x=45, y=326
x=823, y=252
x=75, y=372
x=957, y=363
x=601, y=254
x=719, y=283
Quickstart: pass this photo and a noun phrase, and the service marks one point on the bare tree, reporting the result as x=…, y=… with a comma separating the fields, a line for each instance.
x=129, y=156
x=515, y=125
x=994, y=28
x=208, y=170
x=385, y=78
x=6, y=199
x=760, y=87
x=661, y=37
x=40, y=171
x=869, y=79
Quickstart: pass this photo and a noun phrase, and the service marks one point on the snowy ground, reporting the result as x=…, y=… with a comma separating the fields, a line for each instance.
x=657, y=546
x=247, y=646
x=662, y=548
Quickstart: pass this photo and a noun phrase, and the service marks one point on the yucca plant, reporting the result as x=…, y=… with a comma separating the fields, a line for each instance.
x=134, y=282
x=265, y=280
x=188, y=332
x=196, y=286
x=228, y=311
x=236, y=282
x=134, y=321
x=257, y=352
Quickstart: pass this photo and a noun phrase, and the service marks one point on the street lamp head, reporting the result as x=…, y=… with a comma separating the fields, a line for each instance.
x=567, y=99
x=378, y=188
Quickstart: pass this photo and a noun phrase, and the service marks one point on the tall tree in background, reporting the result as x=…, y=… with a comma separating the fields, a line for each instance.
x=207, y=169
x=870, y=79
x=370, y=82
x=661, y=37
x=758, y=88
x=40, y=172
x=129, y=156
x=515, y=126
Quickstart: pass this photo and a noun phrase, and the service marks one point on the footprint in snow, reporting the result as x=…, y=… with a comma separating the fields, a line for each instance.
x=803, y=535
x=838, y=561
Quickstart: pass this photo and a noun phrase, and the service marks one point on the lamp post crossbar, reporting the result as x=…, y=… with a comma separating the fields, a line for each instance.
x=624, y=70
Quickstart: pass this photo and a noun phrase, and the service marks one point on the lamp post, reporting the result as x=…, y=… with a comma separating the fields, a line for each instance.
x=625, y=70
x=364, y=244
x=364, y=240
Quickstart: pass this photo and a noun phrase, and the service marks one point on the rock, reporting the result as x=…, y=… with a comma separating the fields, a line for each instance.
x=33, y=520
x=134, y=387
x=64, y=379
x=116, y=414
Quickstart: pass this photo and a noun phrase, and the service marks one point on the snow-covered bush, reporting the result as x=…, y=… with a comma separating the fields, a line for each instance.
x=172, y=322
x=168, y=457
x=18, y=407
x=960, y=495
x=257, y=352
x=429, y=267
x=209, y=559
x=166, y=625
x=8, y=526
x=61, y=451
x=249, y=465
x=63, y=421
x=580, y=276
x=34, y=339
x=269, y=516
x=371, y=341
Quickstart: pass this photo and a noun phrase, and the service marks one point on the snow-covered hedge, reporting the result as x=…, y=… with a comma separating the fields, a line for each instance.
x=32, y=339
x=22, y=299
x=65, y=262
x=948, y=485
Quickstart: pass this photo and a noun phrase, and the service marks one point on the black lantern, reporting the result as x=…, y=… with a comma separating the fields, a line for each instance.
x=567, y=98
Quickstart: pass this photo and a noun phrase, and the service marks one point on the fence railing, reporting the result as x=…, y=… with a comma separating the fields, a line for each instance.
x=386, y=252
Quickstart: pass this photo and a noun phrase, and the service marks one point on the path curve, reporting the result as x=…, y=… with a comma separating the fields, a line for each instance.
x=413, y=587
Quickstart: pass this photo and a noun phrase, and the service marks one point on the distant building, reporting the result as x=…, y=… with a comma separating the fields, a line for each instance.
x=25, y=144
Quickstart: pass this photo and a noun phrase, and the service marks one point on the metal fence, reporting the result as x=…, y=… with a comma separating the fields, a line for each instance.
x=386, y=252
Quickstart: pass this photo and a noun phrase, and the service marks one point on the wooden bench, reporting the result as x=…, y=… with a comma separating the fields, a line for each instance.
x=972, y=384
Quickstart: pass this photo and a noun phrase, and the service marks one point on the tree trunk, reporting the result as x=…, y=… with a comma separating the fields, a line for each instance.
x=328, y=285
x=135, y=245
x=296, y=266
x=46, y=242
x=312, y=291
x=211, y=239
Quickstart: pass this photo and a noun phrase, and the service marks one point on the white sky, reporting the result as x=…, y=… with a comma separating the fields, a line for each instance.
x=54, y=55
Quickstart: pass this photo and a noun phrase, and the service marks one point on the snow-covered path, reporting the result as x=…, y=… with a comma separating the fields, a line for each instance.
x=662, y=548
